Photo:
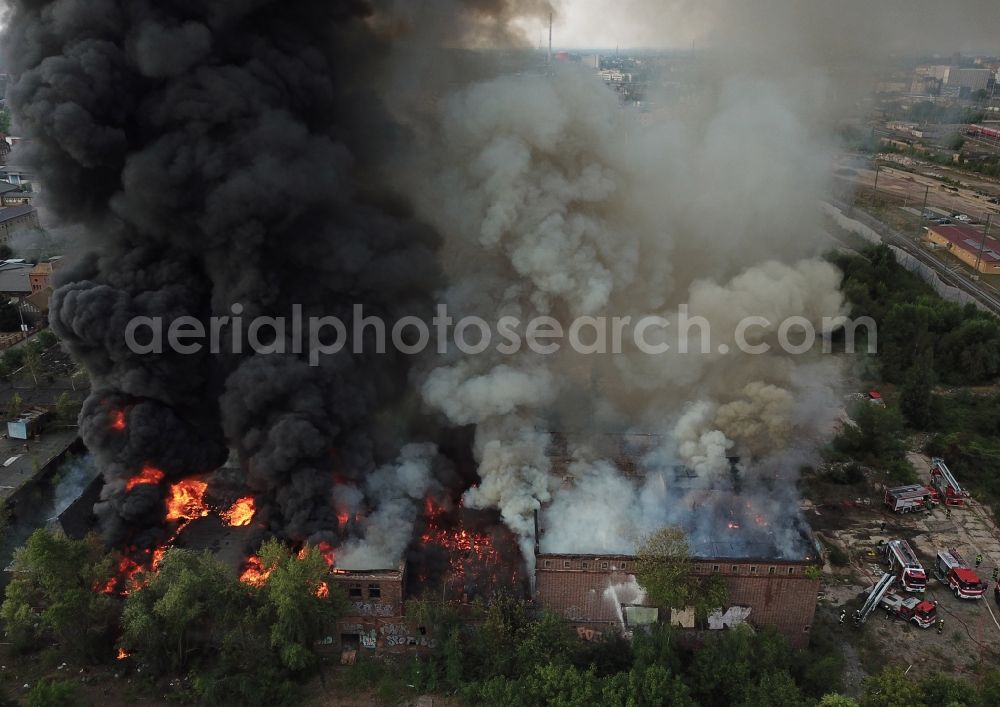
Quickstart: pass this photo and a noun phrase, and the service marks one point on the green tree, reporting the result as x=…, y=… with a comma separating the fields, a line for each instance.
x=46, y=338
x=916, y=399
x=652, y=687
x=663, y=568
x=506, y=624
x=836, y=701
x=947, y=691
x=184, y=610
x=562, y=686
x=13, y=358
x=10, y=320
x=876, y=436
x=709, y=594
x=54, y=693
x=15, y=407
x=775, y=689
x=730, y=664
x=550, y=639
x=52, y=597
x=298, y=611
x=891, y=688
x=67, y=408
x=4, y=121
x=657, y=646
x=989, y=690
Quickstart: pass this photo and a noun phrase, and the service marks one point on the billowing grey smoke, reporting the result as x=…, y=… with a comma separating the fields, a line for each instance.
x=220, y=153
x=230, y=153
x=555, y=200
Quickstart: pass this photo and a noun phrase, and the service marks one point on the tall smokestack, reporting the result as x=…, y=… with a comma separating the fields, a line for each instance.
x=550, y=38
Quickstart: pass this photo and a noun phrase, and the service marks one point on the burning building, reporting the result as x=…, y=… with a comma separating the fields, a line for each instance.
x=532, y=194
x=599, y=593
x=741, y=526
x=374, y=618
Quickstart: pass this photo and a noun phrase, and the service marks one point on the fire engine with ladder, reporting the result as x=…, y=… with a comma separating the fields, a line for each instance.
x=944, y=481
x=963, y=581
x=909, y=499
x=904, y=565
x=920, y=612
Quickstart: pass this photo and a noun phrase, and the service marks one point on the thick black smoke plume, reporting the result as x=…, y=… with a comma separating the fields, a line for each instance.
x=220, y=153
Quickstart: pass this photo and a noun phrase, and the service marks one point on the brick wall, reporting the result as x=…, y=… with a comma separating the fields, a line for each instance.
x=588, y=590
x=375, y=594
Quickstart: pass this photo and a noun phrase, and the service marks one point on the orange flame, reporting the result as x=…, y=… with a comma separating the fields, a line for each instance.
x=186, y=501
x=148, y=475
x=118, y=420
x=255, y=573
x=125, y=578
x=326, y=550
x=323, y=590
x=240, y=513
x=463, y=547
x=122, y=654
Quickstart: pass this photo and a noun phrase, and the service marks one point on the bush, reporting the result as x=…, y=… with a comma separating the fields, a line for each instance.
x=838, y=556
x=54, y=693
x=12, y=358
x=46, y=338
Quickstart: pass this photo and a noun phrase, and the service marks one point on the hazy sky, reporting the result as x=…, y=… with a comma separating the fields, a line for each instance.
x=894, y=25
x=631, y=23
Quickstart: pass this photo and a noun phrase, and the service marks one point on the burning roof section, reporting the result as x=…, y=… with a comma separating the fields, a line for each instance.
x=605, y=507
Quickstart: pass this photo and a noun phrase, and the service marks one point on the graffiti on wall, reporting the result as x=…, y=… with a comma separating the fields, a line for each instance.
x=733, y=616
x=400, y=635
x=372, y=608
x=589, y=634
x=388, y=635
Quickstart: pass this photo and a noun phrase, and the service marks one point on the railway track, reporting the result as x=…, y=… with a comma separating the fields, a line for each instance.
x=987, y=297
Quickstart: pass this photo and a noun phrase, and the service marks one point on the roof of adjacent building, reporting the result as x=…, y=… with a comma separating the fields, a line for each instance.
x=12, y=212
x=7, y=187
x=970, y=239
x=14, y=276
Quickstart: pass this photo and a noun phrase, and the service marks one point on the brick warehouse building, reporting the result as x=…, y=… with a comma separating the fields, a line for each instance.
x=374, y=619
x=598, y=593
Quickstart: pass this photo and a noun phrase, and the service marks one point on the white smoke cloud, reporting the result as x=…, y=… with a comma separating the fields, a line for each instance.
x=400, y=489
x=554, y=199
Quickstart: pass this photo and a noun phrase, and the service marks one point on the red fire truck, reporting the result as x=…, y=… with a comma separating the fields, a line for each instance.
x=920, y=611
x=907, y=499
x=947, y=485
x=903, y=563
x=960, y=578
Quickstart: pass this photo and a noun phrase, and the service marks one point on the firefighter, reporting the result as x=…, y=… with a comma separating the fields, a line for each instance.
x=996, y=572
x=843, y=615
x=940, y=626
x=979, y=560
x=947, y=513
x=881, y=526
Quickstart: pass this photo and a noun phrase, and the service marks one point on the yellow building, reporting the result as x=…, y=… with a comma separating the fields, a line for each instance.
x=970, y=245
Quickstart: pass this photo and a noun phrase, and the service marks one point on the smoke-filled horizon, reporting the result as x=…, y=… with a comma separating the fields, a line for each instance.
x=326, y=153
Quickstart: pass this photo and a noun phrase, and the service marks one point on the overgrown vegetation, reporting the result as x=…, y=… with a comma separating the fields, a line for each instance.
x=925, y=344
x=960, y=345
x=663, y=569
x=239, y=644
x=515, y=658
